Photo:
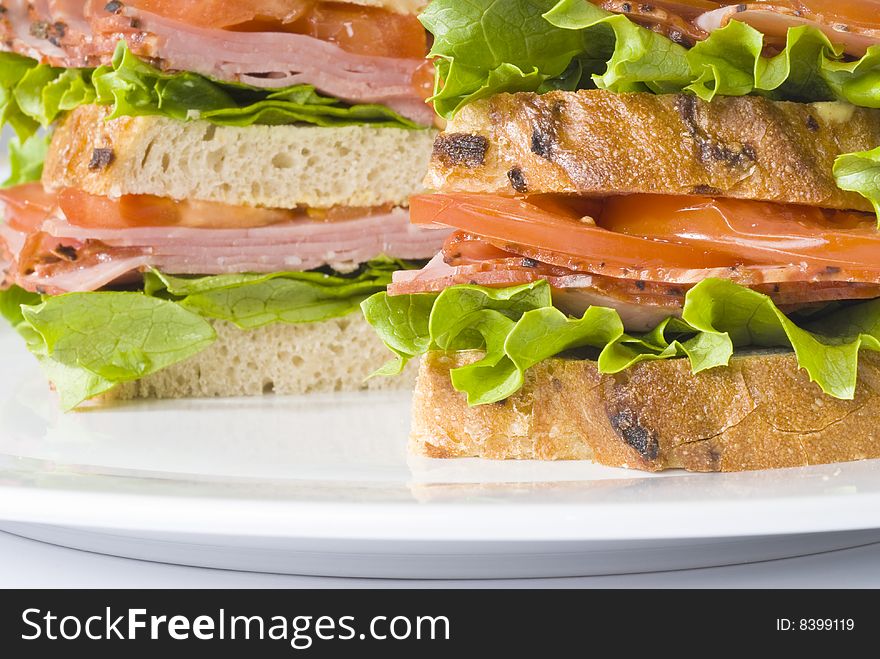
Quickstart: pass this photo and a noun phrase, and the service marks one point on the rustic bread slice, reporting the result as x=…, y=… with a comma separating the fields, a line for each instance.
x=761, y=412
x=328, y=356
x=270, y=166
x=596, y=142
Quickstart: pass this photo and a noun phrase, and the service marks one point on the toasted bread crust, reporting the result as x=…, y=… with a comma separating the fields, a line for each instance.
x=269, y=166
x=594, y=142
x=761, y=412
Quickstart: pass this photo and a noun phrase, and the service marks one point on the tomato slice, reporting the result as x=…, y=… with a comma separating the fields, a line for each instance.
x=26, y=206
x=760, y=232
x=649, y=232
x=557, y=227
x=865, y=13
x=366, y=30
x=90, y=211
x=223, y=13
x=354, y=28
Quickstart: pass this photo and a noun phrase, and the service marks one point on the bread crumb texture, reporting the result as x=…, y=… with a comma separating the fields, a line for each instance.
x=329, y=356
x=761, y=412
x=267, y=166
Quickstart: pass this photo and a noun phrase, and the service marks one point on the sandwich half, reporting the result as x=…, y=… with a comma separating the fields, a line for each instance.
x=665, y=249
x=202, y=193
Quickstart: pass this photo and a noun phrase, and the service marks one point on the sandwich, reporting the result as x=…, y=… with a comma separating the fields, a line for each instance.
x=665, y=247
x=202, y=193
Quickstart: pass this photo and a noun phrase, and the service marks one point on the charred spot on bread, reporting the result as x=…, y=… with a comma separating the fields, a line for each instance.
x=542, y=143
x=546, y=118
x=812, y=124
x=706, y=190
x=735, y=156
x=466, y=149
x=644, y=441
x=518, y=180
x=101, y=158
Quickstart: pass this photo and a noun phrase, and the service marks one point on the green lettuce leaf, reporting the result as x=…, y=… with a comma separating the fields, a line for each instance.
x=11, y=302
x=483, y=47
x=518, y=327
x=402, y=322
x=88, y=343
x=860, y=172
x=34, y=95
x=26, y=160
x=254, y=300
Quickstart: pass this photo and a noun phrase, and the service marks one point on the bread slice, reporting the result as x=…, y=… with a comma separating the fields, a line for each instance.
x=597, y=142
x=329, y=356
x=269, y=166
x=761, y=412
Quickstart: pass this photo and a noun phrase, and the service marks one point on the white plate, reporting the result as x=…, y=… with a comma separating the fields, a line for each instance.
x=322, y=485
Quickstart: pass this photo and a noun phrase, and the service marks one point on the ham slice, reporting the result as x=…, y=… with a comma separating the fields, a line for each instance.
x=672, y=21
x=84, y=34
x=643, y=299
x=775, y=21
x=851, y=24
x=57, y=257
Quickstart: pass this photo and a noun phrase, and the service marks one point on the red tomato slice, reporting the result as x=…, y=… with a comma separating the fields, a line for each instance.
x=642, y=232
x=366, y=30
x=848, y=12
x=760, y=232
x=557, y=227
x=865, y=13
x=26, y=206
x=90, y=211
x=224, y=13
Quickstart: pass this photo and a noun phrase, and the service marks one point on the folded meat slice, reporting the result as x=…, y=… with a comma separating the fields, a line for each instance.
x=85, y=34
x=672, y=19
x=666, y=239
x=643, y=299
x=48, y=252
x=853, y=26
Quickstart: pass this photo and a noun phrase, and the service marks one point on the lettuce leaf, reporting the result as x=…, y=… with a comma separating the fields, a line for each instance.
x=26, y=160
x=88, y=343
x=860, y=172
x=254, y=300
x=518, y=327
x=34, y=95
x=483, y=47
